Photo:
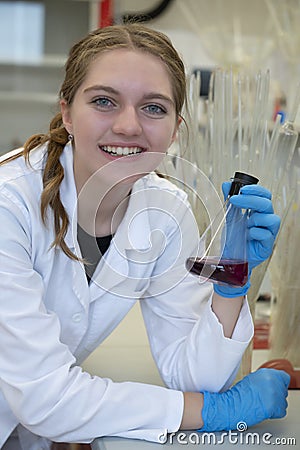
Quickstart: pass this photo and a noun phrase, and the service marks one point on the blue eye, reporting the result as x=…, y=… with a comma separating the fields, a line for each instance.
x=102, y=102
x=155, y=109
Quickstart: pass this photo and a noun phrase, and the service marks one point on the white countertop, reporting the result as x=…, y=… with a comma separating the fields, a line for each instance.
x=280, y=432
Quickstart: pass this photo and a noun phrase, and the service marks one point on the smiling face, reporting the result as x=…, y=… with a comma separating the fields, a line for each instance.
x=123, y=114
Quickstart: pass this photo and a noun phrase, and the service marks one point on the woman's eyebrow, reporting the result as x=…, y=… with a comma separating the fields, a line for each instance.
x=101, y=87
x=157, y=95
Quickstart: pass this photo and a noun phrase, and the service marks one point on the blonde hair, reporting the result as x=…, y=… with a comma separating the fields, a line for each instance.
x=130, y=36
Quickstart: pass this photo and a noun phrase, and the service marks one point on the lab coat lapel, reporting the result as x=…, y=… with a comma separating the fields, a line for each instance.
x=111, y=271
x=132, y=235
x=68, y=196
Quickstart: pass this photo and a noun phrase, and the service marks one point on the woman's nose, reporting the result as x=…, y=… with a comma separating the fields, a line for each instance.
x=127, y=122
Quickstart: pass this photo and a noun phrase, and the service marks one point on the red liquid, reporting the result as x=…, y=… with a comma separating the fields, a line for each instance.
x=221, y=271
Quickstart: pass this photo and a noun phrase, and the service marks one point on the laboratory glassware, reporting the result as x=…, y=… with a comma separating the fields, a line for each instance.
x=224, y=260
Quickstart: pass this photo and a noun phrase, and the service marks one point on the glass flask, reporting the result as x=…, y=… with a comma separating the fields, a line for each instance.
x=224, y=258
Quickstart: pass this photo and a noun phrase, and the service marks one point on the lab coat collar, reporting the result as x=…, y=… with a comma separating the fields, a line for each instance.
x=134, y=230
x=68, y=195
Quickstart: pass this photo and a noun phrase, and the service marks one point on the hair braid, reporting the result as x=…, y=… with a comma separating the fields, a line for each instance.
x=52, y=178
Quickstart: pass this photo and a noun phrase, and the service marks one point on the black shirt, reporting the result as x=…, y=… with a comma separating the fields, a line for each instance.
x=92, y=249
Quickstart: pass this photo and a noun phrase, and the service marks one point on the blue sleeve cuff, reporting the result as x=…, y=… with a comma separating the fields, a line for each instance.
x=231, y=292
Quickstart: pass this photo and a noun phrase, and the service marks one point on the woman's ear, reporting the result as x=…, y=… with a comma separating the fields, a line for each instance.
x=66, y=116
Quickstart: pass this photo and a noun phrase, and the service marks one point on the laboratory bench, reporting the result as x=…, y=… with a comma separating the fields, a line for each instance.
x=277, y=432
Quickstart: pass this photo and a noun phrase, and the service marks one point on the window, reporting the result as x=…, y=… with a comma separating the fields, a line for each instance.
x=21, y=31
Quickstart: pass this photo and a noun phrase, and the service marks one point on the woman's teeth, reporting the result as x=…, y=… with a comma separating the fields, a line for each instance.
x=121, y=151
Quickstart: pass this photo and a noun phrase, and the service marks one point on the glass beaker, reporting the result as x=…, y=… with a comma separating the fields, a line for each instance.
x=224, y=260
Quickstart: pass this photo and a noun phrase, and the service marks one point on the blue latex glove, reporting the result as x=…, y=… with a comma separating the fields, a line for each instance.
x=259, y=396
x=263, y=226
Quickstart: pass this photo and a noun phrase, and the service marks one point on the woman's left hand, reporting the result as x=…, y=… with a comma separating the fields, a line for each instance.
x=263, y=224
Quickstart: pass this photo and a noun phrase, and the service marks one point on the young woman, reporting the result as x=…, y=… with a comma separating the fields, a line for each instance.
x=87, y=229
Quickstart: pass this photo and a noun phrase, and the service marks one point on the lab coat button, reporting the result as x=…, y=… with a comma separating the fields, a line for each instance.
x=77, y=317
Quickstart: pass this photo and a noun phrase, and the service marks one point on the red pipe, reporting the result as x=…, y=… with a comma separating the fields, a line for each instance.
x=106, y=16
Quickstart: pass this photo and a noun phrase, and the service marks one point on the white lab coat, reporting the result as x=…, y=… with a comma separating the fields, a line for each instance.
x=51, y=319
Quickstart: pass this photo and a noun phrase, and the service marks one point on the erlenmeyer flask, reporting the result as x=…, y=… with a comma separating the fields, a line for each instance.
x=225, y=241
